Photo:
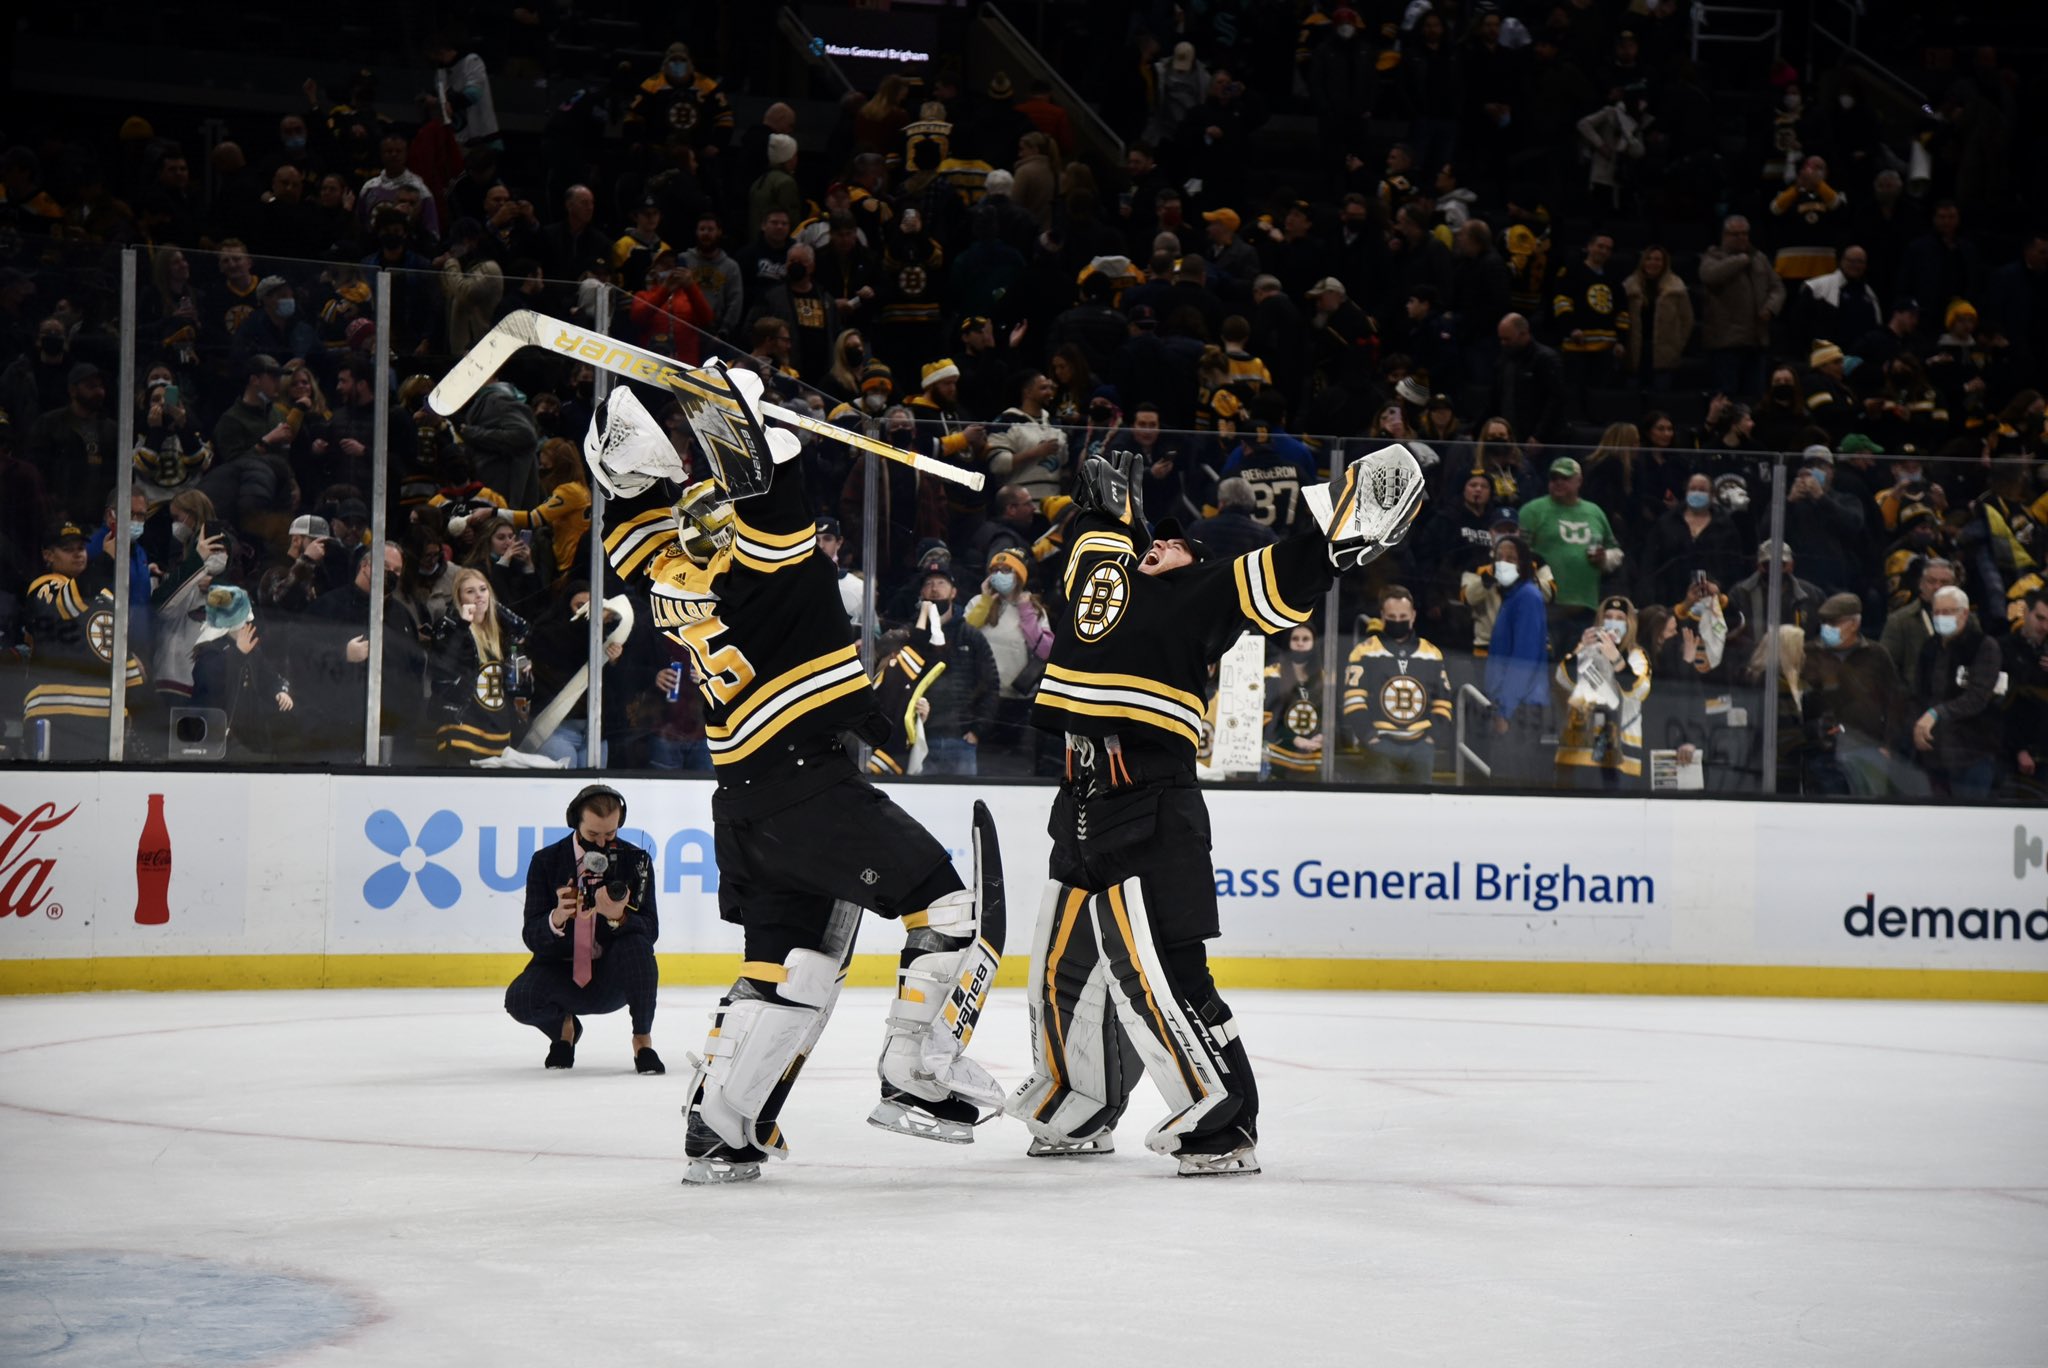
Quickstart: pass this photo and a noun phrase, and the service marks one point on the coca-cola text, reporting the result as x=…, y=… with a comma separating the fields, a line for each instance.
x=24, y=875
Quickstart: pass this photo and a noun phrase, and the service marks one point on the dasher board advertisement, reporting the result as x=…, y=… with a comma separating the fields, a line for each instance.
x=430, y=864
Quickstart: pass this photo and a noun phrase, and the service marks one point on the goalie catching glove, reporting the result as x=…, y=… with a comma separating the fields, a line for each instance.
x=1367, y=510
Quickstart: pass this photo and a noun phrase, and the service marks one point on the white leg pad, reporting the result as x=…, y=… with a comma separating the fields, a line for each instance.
x=756, y=1043
x=939, y=998
x=1180, y=1053
x=1070, y=1038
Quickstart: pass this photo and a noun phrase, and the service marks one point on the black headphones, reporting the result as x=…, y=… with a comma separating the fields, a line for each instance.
x=589, y=792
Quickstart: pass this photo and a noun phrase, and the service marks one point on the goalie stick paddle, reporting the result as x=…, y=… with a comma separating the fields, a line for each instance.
x=529, y=329
x=969, y=993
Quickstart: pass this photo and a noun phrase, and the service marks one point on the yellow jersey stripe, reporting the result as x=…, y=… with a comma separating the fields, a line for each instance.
x=60, y=591
x=1129, y=714
x=810, y=704
x=1250, y=601
x=1106, y=679
x=775, y=539
x=1099, y=543
x=764, y=566
x=634, y=542
x=765, y=693
x=1271, y=580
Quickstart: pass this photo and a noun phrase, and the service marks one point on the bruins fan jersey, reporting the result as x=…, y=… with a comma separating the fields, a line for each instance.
x=1294, y=713
x=73, y=651
x=1583, y=302
x=900, y=683
x=768, y=643
x=1131, y=652
x=1396, y=690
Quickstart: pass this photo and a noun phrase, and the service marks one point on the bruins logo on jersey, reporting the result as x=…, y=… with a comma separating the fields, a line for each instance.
x=1100, y=604
x=490, y=686
x=682, y=114
x=1600, y=299
x=99, y=633
x=912, y=281
x=1304, y=718
x=1403, y=700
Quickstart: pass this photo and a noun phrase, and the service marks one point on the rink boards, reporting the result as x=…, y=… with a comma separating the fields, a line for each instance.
x=311, y=880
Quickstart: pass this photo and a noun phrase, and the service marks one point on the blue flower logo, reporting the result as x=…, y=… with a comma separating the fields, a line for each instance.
x=409, y=859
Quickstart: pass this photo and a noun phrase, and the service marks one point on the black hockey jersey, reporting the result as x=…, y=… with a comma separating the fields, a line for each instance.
x=900, y=682
x=767, y=639
x=1586, y=303
x=1396, y=689
x=73, y=653
x=1131, y=652
x=1294, y=713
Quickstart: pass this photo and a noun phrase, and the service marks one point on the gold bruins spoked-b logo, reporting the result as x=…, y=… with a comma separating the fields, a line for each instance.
x=1100, y=604
x=1403, y=700
x=99, y=633
x=682, y=114
x=490, y=686
x=1304, y=718
x=911, y=280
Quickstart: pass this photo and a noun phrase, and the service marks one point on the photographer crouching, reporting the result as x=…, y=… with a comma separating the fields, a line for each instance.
x=591, y=925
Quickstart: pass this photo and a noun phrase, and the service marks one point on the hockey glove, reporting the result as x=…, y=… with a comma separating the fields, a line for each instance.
x=627, y=450
x=1367, y=510
x=1112, y=485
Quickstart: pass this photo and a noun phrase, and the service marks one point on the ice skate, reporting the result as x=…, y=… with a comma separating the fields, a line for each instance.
x=1226, y=1154
x=950, y=1121
x=712, y=1160
x=1042, y=1148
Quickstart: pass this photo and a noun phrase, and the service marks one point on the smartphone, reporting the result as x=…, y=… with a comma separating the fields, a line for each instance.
x=172, y=398
x=1699, y=577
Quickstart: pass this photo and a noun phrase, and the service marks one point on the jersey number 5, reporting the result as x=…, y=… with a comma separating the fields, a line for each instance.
x=722, y=672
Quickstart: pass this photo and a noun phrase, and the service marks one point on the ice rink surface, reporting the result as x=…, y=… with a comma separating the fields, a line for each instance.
x=390, y=1178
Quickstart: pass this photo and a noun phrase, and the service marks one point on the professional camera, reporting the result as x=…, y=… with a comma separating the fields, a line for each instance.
x=602, y=866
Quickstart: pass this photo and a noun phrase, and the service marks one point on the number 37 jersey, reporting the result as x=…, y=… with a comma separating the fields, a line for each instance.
x=760, y=627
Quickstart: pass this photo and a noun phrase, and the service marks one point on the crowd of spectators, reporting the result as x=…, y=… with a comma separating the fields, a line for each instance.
x=1524, y=241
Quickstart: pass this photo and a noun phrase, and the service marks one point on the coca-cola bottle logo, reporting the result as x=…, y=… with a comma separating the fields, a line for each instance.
x=25, y=876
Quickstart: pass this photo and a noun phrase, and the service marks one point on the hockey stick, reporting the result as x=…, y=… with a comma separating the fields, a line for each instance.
x=528, y=329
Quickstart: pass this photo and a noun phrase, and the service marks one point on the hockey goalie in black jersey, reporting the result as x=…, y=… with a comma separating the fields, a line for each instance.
x=1119, y=979
x=803, y=841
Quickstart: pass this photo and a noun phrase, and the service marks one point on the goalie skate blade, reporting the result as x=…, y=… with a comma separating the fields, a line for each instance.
x=894, y=1116
x=1240, y=1162
x=1071, y=1149
x=710, y=1172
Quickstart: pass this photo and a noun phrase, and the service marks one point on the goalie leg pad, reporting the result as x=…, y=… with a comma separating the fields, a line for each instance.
x=1083, y=1063
x=941, y=987
x=1188, y=1051
x=950, y=958
x=760, y=1037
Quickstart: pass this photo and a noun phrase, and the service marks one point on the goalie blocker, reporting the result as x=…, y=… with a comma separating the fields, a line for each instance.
x=1119, y=974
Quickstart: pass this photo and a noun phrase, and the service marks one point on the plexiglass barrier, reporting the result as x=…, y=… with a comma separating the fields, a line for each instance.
x=315, y=567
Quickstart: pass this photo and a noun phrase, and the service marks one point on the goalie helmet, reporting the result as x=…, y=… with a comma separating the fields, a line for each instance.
x=704, y=520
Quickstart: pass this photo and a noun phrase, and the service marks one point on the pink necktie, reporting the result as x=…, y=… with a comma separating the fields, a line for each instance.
x=585, y=949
